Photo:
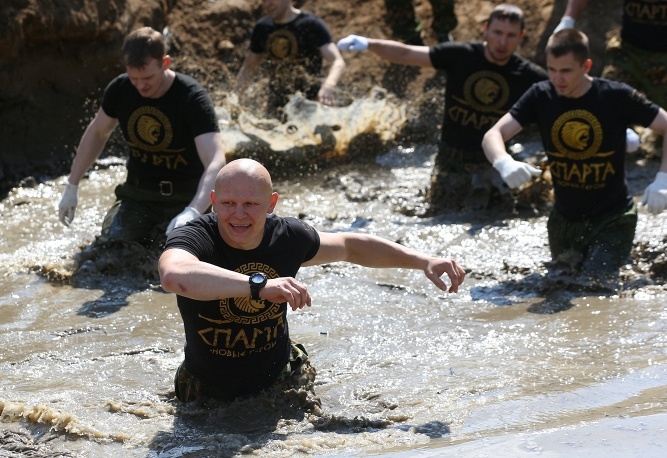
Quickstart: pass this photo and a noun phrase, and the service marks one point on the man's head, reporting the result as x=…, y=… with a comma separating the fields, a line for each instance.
x=242, y=197
x=568, y=62
x=279, y=10
x=142, y=45
x=503, y=33
x=507, y=12
x=146, y=61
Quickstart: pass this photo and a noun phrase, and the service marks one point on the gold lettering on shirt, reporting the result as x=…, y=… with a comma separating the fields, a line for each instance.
x=647, y=12
x=577, y=161
x=261, y=322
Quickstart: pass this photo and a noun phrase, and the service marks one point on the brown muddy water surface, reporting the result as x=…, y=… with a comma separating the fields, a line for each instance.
x=512, y=365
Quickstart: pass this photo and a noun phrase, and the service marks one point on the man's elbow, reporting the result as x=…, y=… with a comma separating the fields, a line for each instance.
x=487, y=140
x=341, y=64
x=167, y=280
x=168, y=277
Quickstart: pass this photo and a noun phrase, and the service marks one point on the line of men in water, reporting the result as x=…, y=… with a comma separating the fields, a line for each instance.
x=233, y=269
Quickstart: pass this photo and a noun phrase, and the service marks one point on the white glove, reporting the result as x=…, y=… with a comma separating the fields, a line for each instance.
x=182, y=218
x=67, y=205
x=515, y=173
x=655, y=196
x=631, y=140
x=567, y=22
x=353, y=43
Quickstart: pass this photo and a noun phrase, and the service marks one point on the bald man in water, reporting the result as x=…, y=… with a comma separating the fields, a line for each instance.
x=233, y=273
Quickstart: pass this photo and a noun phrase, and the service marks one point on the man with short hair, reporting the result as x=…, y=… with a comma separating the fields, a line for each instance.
x=233, y=271
x=294, y=43
x=582, y=122
x=175, y=147
x=638, y=56
x=483, y=81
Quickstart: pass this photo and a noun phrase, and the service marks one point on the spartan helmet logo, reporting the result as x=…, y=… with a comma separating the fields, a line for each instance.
x=576, y=134
x=149, y=129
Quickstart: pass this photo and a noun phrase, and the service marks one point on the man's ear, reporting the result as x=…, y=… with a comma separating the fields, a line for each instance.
x=166, y=60
x=588, y=64
x=274, y=201
x=212, y=197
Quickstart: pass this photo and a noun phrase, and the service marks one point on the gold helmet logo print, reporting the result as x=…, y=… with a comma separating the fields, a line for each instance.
x=149, y=129
x=486, y=91
x=577, y=135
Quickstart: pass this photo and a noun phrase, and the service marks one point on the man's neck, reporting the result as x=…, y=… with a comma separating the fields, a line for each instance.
x=290, y=14
x=582, y=89
x=488, y=55
x=167, y=81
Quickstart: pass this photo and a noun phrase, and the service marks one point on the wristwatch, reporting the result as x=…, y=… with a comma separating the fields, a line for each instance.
x=257, y=281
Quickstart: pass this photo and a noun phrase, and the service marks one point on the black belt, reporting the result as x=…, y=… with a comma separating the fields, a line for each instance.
x=165, y=187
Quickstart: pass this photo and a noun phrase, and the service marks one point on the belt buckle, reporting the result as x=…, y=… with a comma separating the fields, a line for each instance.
x=166, y=188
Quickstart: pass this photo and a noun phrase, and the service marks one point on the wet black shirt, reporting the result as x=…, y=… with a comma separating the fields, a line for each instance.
x=644, y=24
x=292, y=52
x=238, y=344
x=478, y=93
x=160, y=132
x=584, y=139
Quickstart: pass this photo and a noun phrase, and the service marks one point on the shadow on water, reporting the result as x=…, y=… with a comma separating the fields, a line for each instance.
x=116, y=292
x=561, y=282
x=557, y=288
x=118, y=268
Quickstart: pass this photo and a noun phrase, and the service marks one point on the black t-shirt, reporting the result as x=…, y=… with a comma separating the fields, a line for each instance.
x=478, y=93
x=292, y=51
x=238, y=344
x=644, y=24
x=584, y=139
x=160, y=132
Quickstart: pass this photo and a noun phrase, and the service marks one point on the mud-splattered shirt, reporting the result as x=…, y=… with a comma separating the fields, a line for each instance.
x=292, y=53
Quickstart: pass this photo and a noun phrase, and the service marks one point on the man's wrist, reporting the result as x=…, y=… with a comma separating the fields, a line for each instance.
x=257, y=281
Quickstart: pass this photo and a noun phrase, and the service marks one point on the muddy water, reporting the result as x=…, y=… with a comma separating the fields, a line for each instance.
x=401, y=367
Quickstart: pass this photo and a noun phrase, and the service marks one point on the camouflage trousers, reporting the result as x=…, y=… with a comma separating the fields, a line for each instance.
x=595, y=244
x=189, y=388
x=644, y=70
x=415, y=22
x=141, y=216
x=463, y=179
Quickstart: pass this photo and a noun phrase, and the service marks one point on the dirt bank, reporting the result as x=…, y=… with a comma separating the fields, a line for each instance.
x=56, y=56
